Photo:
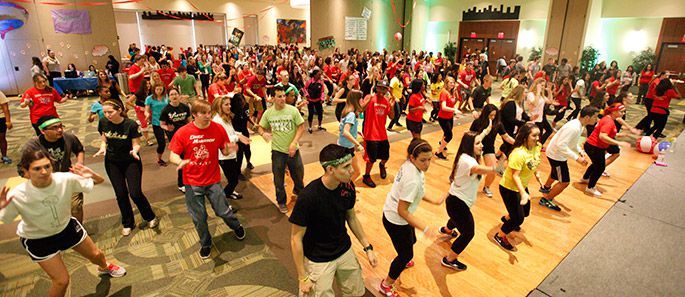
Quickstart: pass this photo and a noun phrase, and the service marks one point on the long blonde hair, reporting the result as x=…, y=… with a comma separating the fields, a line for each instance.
x=217, y=109
x=517, y=94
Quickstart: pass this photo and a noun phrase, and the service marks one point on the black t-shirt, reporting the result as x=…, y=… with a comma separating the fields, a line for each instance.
x=488, y=140
x=61, y=151
x=241, y=112
x=480, y=94
x=549, y=69
x=175, y=115
x=324, y=212
x=119, y=138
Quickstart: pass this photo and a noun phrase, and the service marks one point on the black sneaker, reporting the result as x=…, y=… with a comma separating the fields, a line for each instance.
x=399, y=125
x=241, y=177
x=545, y=190
x=321, y=128
x=549, y=204
x=384, y=173
x=441, y=156
x=503, y=242
x=449, y=232
x=250, y=166
x=504, y=220
x=368, y=181
x=456, y=265
x=240, y=233
x=235, y=195
x=309, y=130
x=205, y=251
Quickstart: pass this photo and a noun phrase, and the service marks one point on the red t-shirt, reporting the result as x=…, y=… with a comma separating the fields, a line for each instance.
x=256, y=85
x=651, y=91
x=392, y=68
x=201, y=147
x=43, y=103
x=606, y=124
x=593, y=88
x=539, y=74
x=466, y=76
x=343, y=79
x=375, y=117
x=134, y=84
x=661, y=103
x=334, y=73
x=245, y=74
x=166, y=76
x=645, y=77
x=562, y=97
x=416, y=100
x=612, y=90
x=450, y=102
x=214, y=90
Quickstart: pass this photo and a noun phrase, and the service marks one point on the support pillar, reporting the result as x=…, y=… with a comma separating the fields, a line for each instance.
x=566, y=25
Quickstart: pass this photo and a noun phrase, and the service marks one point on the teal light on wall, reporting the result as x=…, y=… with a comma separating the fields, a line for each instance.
x=380, y=20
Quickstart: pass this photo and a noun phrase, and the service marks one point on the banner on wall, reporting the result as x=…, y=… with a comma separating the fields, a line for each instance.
x=326, y=42
x=71, y=21
x=236, y=37
x=355, y=28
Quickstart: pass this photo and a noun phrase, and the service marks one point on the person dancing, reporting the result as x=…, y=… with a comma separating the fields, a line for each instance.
x=445, y=115
x=490, y=118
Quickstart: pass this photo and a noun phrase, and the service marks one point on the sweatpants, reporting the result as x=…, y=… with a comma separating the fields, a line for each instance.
x=126, y=178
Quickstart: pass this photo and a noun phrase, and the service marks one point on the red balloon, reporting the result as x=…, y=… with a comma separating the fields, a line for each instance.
x=398, y=36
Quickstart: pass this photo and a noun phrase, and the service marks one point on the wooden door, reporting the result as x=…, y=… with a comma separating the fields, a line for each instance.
x=498, y=48
x=672, y=58
x=470, y=45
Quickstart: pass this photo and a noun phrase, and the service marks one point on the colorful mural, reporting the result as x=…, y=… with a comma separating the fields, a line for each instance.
x=291, y=31
x=12, y=17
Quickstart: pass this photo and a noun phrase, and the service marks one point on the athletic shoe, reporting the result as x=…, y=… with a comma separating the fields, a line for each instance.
x=182, y=189
x=446, y=231
x=283, y=208
x=126, y=231
x=384, y=173
x=205, y=251
x=241, y=177
x=549, y=204
x=606, y=174
x=543, y=149
x=240, y=233
x=584, y=180
x=250, y=166
x=6, y=160
x=594, y=192
x=112, y=270
x=162, y=163
x=487, y=192
x=504, y=220
x=235, y=196
x=410, y=264
x=456, y=265
x=399, y=125
x=440, y=156
x=321, y=128
x=309, y=130
x=368, y=181
x=154, y=223
x=544, y=190
x=388, y=291
x=503, y=242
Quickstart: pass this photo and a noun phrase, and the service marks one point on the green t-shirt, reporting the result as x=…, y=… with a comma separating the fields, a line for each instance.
x=187, y=85
x=283, y=124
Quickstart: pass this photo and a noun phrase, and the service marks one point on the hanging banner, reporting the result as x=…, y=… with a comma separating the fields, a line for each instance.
x=71, y=21
x=326, y=42
x=236, y=36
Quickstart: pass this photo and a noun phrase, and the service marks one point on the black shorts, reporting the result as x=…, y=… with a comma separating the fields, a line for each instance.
x=613, y=149
x=3, y=125
x=559, y=170
x=42, y=249
x=377, y=150
x=414, y=127
x=488, y=149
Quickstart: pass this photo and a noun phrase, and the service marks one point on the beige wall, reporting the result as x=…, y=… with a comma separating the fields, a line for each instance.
x=38, y=35
x=267, y=12
x=643, y=9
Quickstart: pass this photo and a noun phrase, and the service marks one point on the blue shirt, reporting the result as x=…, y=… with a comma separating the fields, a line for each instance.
x=350, y=118
x=156, y=107
x=97, y=108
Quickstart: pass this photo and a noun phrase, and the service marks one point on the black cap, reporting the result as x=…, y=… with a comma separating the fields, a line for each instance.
x=382, y=84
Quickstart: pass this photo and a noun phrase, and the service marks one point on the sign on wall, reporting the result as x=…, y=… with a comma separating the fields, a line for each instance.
x=236, y=37
x=71, y=21
x=355, y=28
x=326, y=42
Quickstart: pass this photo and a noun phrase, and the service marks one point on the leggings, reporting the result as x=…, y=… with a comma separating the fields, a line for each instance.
x=560, y=112
x=126, y=177
x=204, y=79
x=545, y=129
x=517, y=212
x=462, y=219
x=659, y=124
x=161, y=140
x=646, y=122
x=338, y=110
x=595, y=170
x=231, y=169
x=434, y=111
x=446, y=125
x=396, y=119
x=243, y=151
x=642, y=92
x=315, y=108
x=403, y=239
x=576, y=110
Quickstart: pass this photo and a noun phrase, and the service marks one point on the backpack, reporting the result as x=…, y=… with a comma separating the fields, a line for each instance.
x=314, y=90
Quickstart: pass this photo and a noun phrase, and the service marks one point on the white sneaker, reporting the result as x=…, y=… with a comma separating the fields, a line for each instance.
x=126, y=231
x=594, y=192
x=182, y=189
x=154, y=223
x=112, y=270
x=487, y=192
x=606, y=174
x=584, y=180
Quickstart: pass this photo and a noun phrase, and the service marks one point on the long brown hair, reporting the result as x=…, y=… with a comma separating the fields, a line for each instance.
x=465, y=148
x=352, y=103
x=218, y=110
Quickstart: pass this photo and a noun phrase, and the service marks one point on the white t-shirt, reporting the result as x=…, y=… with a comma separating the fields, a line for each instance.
x=465, y=185
x=3, y=100
x=44, y=211
x=580, y=84
x=565, y=143
x=408, y=186
x=232, y=136
x=536, y=106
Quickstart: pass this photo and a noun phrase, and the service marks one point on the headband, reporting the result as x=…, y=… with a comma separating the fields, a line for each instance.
x=48, y=123
x=414, y=150
x=336, y=162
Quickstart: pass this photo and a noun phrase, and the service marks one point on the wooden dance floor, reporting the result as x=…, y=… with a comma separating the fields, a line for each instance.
x=545, y=239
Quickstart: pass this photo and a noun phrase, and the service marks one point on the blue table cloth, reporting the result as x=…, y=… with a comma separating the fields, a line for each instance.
x=82, y=83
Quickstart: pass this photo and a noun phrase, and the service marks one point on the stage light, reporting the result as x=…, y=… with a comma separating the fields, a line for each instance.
x=635, y=41
x=299, y=4
x=526, y=38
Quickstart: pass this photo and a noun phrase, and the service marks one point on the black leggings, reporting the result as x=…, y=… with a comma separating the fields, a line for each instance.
x=574, y=113
x=446, y=125
x=461, y=219
x=403, y=239
x=545, y=129
x=315, y=108
x=659, y=124
x=434, y=111
x=161, y=140
x=231, y=169
x=204, y=79
x=642, y=92
x=126, y=179
x=517, y=212
x=339, y=107
x=646, y=122
x=396, y=119
x=595, y=170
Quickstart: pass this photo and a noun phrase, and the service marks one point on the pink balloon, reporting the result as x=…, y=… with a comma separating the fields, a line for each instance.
x=398, y=36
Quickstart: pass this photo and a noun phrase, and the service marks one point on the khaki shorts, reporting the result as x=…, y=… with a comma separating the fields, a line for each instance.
x=255, y=105
x=76, y=203
x=345, y=270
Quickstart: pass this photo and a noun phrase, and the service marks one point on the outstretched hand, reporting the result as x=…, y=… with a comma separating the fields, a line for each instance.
x=4, y=200
x=81, y=170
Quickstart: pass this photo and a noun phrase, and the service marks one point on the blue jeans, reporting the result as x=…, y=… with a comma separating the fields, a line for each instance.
x=195, y=202
x=278, y=162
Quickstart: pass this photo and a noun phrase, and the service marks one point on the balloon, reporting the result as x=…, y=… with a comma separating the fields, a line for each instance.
x=663, y=146
x=645, y=144
x=398, y=36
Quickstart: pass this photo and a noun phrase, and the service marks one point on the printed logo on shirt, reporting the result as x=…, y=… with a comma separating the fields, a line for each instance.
x=51, y=202
x=115, y=135
x=200, y=152
x=533, y=163
x=178, y=116
x=282, y=123
x=380, y=108
x=200, y=139
x=57, y=154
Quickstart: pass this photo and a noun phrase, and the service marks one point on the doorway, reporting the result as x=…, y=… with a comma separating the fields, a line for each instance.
x=498, y=48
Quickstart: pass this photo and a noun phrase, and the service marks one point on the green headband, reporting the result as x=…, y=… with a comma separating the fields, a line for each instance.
x=48, y=123
x=336, y=162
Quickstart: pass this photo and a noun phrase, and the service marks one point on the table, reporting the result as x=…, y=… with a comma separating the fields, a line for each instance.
x=81, y=83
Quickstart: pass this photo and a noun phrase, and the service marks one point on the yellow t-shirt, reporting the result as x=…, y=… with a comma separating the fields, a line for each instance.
x=524, y=160
x=436, y=89
x=396, y=88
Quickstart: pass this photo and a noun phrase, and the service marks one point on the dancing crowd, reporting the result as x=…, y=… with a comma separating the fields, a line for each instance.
x=206, y=103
